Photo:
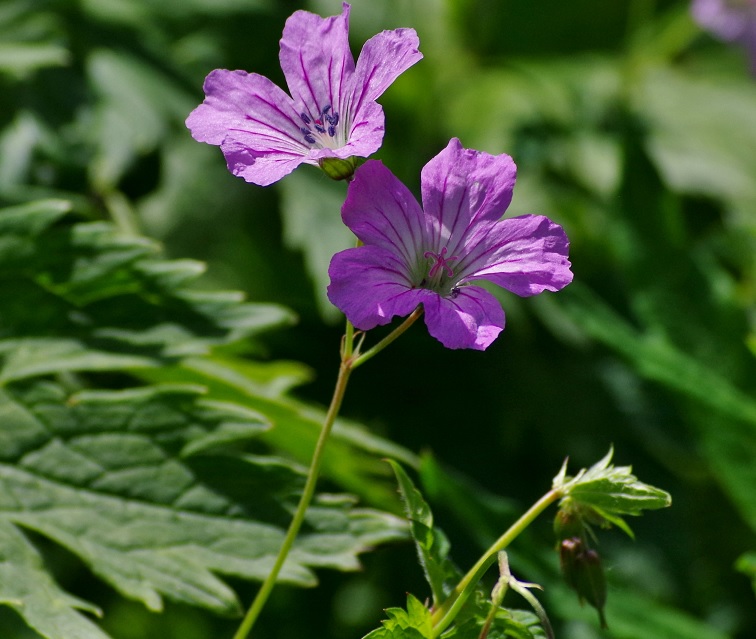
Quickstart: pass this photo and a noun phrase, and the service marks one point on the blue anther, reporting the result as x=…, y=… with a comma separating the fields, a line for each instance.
x=309, y=139
x=331, y=131
x=319, y=128
x=305, y=118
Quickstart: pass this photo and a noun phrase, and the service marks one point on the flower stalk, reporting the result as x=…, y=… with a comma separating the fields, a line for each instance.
x=445, y=614
x=350, y=359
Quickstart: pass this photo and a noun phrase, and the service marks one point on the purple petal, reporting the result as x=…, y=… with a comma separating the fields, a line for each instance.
x=461, y=186
x=382, y=212
x=382, y=60
x=526, y=255
x=472, y=319
x=369, y=286
x=316, y=59
x=259, y=167
x=253, y=120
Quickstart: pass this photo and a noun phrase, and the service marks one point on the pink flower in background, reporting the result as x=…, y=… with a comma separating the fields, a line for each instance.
x=729, y=20
x=433, y=255
x=331, y=115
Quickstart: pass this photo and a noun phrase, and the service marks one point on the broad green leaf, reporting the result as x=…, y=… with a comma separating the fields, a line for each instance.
x=353, y=455
x=152, y=489
x=27, y=587
x=432, y=545
x=104, y=300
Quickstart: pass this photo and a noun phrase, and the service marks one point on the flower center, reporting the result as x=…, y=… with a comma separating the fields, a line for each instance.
x=321, y=131
x=439, y=268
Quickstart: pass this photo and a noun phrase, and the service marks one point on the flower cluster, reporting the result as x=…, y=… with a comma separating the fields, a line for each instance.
x=410, y=256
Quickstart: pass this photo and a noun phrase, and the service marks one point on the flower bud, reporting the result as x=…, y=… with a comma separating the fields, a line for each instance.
x=582, y=570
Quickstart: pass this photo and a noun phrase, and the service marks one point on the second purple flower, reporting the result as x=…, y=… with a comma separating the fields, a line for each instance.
x=434, y=255
x=331, y=116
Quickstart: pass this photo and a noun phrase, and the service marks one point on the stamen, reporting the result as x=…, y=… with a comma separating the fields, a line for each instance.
x=441, y=262
x=331, y=131
x=305, y=118
x=319, y=128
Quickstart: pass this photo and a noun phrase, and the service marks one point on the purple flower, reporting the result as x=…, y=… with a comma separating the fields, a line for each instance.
x=729, y=20
x=331, y=116
x=433, y=255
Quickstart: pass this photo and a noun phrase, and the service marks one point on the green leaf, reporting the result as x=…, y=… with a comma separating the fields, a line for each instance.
x=152, y=489
x=432, y=545
x=353, y=455
x=610, y=490
x=104, y=300
x=412, y=623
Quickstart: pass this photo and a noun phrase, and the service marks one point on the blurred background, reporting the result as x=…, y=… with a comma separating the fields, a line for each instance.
x=631, y=126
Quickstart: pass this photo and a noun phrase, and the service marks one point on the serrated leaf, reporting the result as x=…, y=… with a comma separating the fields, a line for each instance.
x=432, y=545
x=101, y=474
x=611, y=490
x=353, y=455
x=105, y=301
x=412, y=623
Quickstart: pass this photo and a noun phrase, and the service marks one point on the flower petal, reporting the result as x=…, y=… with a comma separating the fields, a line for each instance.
x=472, y=319
x=368, y=285
x=461, y=186
x=253, y=120
x=525, y=255
x=382, y=212
x=382, y=60
x=316, y=59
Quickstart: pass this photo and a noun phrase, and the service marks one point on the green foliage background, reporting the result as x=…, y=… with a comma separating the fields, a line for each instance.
x=630, y=127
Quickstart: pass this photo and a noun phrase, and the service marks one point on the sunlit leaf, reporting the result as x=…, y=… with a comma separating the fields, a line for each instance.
x=127, y=481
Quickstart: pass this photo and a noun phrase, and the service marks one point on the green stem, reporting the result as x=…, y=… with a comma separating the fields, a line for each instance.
x=447, y=612
x=304, y=501
x=361, y=359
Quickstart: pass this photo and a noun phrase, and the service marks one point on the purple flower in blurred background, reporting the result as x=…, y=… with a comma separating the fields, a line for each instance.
x=432, y=255
x=331, y=116
x=730, y=20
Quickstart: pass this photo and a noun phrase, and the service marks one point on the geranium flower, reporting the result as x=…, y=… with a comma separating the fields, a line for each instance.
x=330, y=118
x=433, y=255
x=729, y=20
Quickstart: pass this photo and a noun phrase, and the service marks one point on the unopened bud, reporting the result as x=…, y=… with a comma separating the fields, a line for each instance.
x=583, y=572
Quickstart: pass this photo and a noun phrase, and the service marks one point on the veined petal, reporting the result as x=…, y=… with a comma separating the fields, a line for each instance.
x=316, y=59
x=249, y=102
x=462, y=186
x=382, y=60
x=369, y=286
x=472, y=319
x=382, y=212
x=525, y=255
x=259, y=167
